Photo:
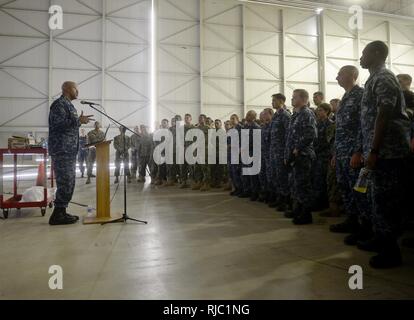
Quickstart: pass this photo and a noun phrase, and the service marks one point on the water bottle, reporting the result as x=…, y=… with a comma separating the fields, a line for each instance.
x=89, y=211
x=361, y=185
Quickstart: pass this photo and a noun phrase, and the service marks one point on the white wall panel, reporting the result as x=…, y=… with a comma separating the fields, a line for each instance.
x=230, y=62
x=222, y=58
x=263, y=55
x=341, y=48
x=178, y=78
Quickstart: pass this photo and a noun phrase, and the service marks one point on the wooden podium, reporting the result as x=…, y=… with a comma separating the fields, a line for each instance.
x=103, y=204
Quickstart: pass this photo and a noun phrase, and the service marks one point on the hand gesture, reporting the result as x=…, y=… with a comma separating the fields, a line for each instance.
x=85, y=119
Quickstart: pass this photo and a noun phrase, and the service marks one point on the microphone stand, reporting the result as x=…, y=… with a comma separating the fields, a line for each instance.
x=125, y=216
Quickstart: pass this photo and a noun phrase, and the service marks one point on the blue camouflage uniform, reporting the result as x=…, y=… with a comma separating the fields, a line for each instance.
x=82, y=154
x=266, y=172
x=251, y=184
x=278, y=138
x=235, y=169
x=348, y=141
x=301, y=135
x=320, y=165
x=388, y=179
x=63, y=147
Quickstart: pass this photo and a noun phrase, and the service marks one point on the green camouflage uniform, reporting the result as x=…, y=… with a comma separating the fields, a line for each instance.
x=94, y=136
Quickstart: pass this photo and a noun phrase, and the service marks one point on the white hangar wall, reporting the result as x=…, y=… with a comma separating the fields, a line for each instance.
x=213, y=57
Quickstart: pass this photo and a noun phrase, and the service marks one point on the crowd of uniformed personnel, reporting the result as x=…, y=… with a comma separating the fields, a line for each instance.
x=312, y=158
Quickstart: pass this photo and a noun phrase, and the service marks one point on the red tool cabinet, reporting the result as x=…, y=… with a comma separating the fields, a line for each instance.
x=14, y=201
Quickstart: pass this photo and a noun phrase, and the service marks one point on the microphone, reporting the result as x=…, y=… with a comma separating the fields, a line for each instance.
x=90, y=103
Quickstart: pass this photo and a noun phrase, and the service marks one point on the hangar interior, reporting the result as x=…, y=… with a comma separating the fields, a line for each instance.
x=146, y=60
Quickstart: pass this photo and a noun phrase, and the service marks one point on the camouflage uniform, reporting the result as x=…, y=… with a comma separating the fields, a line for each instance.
x=409, y=99
x=334, y=194
x=347, y=143
x=251, y=184
x=134, y=154
x=158, y=172
x=217, y=170
x=323, y=152
x=388, y=178
x=94, y=136
x=301, y=135
x=202, y=172
x=63, y=147
x=234, y=169
x=145, y=149
x=265, y=176
x=122, y=143
x=185, y=168
x=82, y=154
x=173, y=169
x=278, y=139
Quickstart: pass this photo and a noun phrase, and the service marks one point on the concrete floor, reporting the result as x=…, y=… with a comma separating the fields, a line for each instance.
x=196, y=246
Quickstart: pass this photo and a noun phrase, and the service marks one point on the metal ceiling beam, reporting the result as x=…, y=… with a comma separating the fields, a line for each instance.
x=308, y=5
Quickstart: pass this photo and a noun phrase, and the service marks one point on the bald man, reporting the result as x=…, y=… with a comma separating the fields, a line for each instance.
x=64, y=124
x=348, y=158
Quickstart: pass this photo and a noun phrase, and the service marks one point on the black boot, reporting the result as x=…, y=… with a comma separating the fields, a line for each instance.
x=371, y=245
x=59, y=217
x=408, y=243
x=389, y=255
x=262, y=196
x=363, y=234
x=304, y=217
x=350, y=225
x=254, y=197
x=270, y=197
x=71, y=215
x=244, y=195
x=296, y=208
x=235, y=193
x=275, y=202
x=282, y=206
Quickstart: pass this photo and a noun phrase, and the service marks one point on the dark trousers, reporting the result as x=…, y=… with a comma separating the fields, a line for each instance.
x=355, y=203
x=235, y=176
x=82, y=160
x=389, y=184
x=319, y=181
x=144, y=162
x=302, y=181
x=65, y=174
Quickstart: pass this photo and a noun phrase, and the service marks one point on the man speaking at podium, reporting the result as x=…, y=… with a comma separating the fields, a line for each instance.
x=64, y=124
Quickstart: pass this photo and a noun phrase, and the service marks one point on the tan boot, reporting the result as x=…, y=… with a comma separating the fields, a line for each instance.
x=196, y=186
x=205, y=187
x=227, y=187
x=184, y=185
x=169, y=184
